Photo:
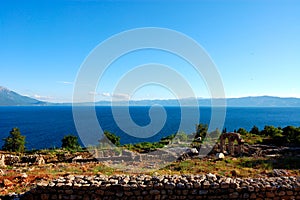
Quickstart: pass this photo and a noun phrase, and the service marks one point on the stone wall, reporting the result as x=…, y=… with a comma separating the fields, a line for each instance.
x=140, y=187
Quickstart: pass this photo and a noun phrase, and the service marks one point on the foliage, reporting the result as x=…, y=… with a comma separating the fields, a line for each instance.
x=182, y=136
x=271, y=131
x=251, y=138
x=167, y=140
x=201, y=130
x=144, y=147
x=113, y=138
x=291, y=134
x=70, y=142
x=15, y=142
x=255, y=130
x=278, y=136
x=242, y=131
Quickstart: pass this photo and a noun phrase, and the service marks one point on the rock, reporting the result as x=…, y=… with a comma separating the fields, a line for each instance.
x=11, y=159
x=270, y=194
x=40, y=160
x=180, y=185
x=234, y=195
x=170, y=186
x=224, y=185
x=203, y=192
x=24, y=175
x=7, y=183
x=2, y=160
x=193, y=151
x=220, y=156
x=211, y=177
x=76, y=158
x=154, y=192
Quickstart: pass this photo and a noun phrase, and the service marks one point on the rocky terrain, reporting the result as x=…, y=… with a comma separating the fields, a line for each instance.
x=66, y=175
x=166, y=187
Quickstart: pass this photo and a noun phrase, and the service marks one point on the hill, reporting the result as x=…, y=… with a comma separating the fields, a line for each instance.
x=259, y=101
x=10, y=98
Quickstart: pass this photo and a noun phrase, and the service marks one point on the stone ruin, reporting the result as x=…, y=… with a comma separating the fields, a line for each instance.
x=231, y=137
x=14, y=160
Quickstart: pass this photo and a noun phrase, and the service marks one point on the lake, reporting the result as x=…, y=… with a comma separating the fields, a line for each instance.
x=45, y=126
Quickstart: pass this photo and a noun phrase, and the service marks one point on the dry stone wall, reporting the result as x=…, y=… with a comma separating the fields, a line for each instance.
x=143, y=187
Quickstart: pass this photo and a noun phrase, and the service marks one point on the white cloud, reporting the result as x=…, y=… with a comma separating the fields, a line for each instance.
x=120, y=96
x=105, y=94
x=93, y=93
x=42, y=98
x=65, y=82
x=116, y=96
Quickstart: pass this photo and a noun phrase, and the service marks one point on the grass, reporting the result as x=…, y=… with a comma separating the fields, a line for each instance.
x=252, y=138
x=240, y=167
x=229, y=167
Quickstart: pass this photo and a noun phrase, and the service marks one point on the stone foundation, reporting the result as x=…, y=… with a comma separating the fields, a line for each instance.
x=146, y=187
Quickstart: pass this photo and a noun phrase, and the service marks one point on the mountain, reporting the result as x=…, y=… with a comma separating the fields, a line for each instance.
x=259, y=101
x=263, y=101
x=10, y=98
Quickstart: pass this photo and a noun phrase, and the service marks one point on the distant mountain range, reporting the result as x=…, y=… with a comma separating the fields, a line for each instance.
x=10, y=98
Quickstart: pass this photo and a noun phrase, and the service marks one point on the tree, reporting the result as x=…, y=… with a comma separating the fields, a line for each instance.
x=271, y=131
x=291, y=133
x=201, y=130
x=113, y=138
x=255, y=130
x=15, y=142
x=70, y=142
x=242, y=131
x=182, y=136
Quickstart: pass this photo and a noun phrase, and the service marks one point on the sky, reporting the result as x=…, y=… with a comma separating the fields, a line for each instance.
x=255, y=45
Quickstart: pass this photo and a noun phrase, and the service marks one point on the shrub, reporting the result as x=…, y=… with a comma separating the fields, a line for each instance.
x=113, y=138
x=255, y=130
x=201, y=131
x=70, y=142
x=15, y=142
x=242, y=131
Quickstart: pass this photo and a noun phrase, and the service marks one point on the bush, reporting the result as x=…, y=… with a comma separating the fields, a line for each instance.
x=242, y=131
x=201, y=131
x=255, y=130
x=271, y=131
x=113, y=138
x=70, y=142
x=15, y=142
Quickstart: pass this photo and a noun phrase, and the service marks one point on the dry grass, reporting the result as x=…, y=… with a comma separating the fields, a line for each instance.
x=12, y=180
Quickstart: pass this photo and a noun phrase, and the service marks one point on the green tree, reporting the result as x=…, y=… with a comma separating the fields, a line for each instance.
x=271, y=131
x=201, y=131
x=291, y=133
x=255, y=130
x=242, y=131
x=182, y=136
x=113, y=138
x=15, y=142
x=70, y=142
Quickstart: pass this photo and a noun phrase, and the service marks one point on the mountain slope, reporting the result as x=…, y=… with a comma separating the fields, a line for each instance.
x=259, y=101
x=10, y=98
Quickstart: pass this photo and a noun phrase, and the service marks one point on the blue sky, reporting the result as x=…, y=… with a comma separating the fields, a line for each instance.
x=255, y=45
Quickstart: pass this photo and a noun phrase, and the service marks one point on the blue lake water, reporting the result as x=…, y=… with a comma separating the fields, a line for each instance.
x=45, y=126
